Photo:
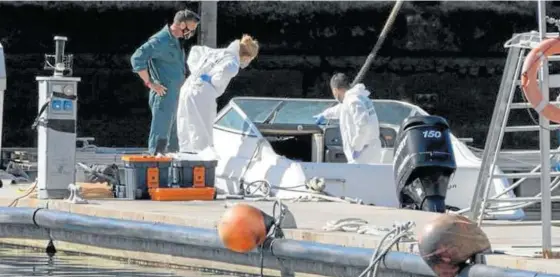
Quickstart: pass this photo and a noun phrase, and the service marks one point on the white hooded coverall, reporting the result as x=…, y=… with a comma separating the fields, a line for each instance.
x=359, y=126
x=197, y=105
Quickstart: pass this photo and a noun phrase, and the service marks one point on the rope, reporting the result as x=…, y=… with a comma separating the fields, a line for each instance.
x=354, y=225
x=278, y=212
x=75, y=197
x=261, y=190
x=397, y=233
x=27, y=192
x=358, y=225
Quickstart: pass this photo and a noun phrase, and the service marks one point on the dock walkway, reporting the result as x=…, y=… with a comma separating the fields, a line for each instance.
x=523, y=240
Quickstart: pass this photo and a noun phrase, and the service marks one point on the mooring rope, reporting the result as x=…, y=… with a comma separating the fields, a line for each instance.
x=398, y=232
x=278, y=213
x=261, y=190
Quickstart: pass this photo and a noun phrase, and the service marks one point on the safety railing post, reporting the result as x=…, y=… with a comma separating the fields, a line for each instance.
x=544, y=137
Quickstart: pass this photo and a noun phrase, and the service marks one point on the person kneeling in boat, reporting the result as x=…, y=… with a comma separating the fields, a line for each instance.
x=211, y=71
x=359, y=126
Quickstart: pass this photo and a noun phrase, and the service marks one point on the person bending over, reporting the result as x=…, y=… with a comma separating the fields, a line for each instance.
x=211, y=71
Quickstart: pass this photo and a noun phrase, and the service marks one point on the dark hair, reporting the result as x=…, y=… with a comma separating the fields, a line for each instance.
x=185, y=15
x=340, y=80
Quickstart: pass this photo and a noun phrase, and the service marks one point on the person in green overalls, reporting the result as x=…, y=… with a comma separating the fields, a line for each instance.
x=160, y=63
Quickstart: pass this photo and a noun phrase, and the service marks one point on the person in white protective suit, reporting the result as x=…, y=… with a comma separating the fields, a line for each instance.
x=359, y=126
x=211, y=71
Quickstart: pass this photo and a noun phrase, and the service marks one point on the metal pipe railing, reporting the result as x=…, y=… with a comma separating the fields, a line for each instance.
x=285, y=255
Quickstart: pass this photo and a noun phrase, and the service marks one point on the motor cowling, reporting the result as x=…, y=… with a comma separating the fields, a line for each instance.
x=423, y=163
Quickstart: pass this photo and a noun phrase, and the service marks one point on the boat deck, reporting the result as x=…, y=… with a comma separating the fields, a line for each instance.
x=521, y=241
x=104, y=155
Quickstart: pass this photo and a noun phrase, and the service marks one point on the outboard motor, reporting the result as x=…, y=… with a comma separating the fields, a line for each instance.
x=423, y=163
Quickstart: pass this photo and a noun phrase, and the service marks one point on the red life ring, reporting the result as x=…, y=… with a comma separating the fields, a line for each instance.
x=529, y=82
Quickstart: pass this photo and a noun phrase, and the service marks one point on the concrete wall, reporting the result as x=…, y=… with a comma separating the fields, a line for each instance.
x=451, y=49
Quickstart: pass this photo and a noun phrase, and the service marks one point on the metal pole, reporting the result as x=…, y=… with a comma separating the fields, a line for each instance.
x=2, y=89
x=394, y=12
x=544, y=137
x=209, y=23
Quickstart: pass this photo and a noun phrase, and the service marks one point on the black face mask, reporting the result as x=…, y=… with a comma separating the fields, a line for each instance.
x=187, y=33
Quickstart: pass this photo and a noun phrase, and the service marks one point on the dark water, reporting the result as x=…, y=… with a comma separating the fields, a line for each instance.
x=24, y=262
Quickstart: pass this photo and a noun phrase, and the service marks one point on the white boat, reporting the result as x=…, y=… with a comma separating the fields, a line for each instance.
x=277, y=140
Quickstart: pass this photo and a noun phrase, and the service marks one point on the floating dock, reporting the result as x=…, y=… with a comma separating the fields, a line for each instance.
x=520, y=241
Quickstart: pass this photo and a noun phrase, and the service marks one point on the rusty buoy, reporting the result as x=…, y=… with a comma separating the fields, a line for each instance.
x=449, y=241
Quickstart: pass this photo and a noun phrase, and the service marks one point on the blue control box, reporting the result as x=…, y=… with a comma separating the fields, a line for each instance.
x=56, y=105
x=67, y=105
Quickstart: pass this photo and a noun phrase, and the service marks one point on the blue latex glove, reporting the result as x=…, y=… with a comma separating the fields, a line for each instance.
x=320, y=120
x=206, y=78
x=357, y=154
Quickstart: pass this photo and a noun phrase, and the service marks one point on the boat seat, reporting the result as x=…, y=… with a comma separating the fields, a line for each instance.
x=335, y=154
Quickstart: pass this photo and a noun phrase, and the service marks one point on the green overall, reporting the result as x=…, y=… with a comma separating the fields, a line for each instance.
x=164, y=59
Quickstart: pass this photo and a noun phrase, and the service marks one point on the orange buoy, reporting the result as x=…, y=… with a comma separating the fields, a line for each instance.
x=531, y=65
x=244, y=228
x=449, y=241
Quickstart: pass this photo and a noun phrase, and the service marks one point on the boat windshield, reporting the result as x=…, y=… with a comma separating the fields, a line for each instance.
x=301, y=111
